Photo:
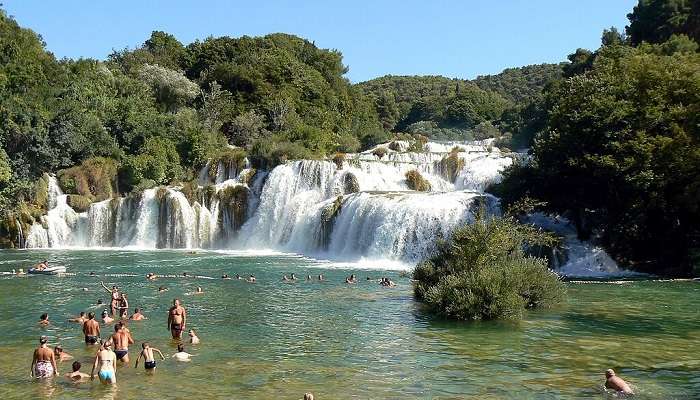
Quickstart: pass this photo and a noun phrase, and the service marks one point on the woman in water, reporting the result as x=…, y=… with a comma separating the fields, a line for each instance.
x=107, y=361
x=116, y=297
x=44, y=319
x=44, y=361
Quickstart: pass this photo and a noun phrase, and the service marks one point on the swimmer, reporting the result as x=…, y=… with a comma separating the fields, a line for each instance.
x=320, y=277
x=251, y=279
x=121, y=339
x=149, y=362
x=293, y=277
x=76, y=375
x=42, y=265
x=616, y=383
x=137, y=316
x=177, y=319
x=308, y=396
x=151, y=276
x=91, y=329
x=184, y=275
x=162, y=289
x=386, y=282
x=181, y=355
x=44, y=320
x=199, y=290
x=44, y=361
x=61, y=355
x=114, y=292
x=225, y=276
x=285, y=279
x=239, y=277
x=351, y=279
x=194, y=339
x=107, y=362
x=308, y=277
x=106, y=319
x=86, y=289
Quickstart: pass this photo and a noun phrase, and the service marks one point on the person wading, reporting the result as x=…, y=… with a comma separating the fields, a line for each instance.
x=177, y=319
x=44, y=361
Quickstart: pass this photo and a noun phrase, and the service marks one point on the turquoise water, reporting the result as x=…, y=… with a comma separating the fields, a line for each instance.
x=274, y=340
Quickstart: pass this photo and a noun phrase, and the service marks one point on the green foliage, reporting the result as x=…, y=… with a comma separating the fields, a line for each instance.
x=415, y=181
x=158, y=161
x=451, y=164
x=234, y=201
x=79, y=203
x=520, y=85
x=484, y=273
x=338, y=159
x=93, y=178
x=655, y=21
x=380, y=152
x=231, y=159
x=171, y=89
x=619, y=154
x=5, y=167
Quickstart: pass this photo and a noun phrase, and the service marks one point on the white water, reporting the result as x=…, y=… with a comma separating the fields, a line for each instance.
x=290, y=209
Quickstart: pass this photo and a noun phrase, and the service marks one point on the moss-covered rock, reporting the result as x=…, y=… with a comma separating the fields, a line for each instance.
x=338, y=160
x=249, y=176
x=234, y=201
x=78, y=203
x=350, y=183
x=415, y=181
x=192, y=191
x=451, y=164
x=328, y=215
x=229, y=161
x=41, y=192
x=94, y=178
x=380, y=152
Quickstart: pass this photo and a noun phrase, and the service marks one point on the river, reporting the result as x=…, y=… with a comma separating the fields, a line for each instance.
x=276, y=340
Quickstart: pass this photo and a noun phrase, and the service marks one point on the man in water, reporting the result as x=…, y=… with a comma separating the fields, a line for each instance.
x=181, y=355
x=162, y=289
x=91, y=329
x=149, y=362
x=137, y=316
x=107, y=362
x=251, y=279
x=121, y=339
x=76, y=375
x=616, y=383
x=106, y=319
x=80, y=319
x=61, y=355
x=177, y=319
x=42, y=265
x=44, y=361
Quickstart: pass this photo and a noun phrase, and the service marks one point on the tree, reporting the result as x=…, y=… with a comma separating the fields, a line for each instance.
x=655, y=21
x=5, y=168
x=171, y=88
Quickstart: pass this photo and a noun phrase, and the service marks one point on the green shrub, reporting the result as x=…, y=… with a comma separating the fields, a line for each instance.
x=418, y=143
x=338, y=159
x=350, y=183
x=229, y=158
x=93, y=178
x=415, y=181
x=483, y=272
x=192, y=191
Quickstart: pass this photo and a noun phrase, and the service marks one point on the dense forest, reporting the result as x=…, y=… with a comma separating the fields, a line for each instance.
x=613, y=133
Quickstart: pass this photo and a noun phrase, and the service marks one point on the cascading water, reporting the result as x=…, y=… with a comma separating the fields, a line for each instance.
x=362, y=208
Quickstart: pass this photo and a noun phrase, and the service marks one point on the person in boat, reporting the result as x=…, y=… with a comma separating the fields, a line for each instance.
x=181, y=355
x=149, y=362
x=177, y=319
x=61, y=355
x=121, y=339
x=91, y=329
x=79, y=319
x=106, y=319
x=114, y=292
x=76, y=375
x=616, y=383
x=43, y=361
x=107, y=362
x=194, y=339
x=137, y=315
x=44, y=319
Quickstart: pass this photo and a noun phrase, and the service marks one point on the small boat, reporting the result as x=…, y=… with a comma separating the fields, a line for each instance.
x=53, y=270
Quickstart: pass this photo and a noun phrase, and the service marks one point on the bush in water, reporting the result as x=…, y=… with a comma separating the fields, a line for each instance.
x=415, y=181
x=484, y=273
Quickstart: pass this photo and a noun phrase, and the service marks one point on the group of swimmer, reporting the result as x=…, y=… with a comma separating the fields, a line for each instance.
x=115, y=349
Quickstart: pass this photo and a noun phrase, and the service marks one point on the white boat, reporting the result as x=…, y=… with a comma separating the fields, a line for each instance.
x=53, y=270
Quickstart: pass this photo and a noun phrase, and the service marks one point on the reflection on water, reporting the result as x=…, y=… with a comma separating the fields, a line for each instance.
x=277, y=340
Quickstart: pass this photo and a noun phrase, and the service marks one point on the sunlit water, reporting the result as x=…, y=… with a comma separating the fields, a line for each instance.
x=273, y=340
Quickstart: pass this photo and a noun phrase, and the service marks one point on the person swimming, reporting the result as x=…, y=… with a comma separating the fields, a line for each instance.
x=181, y=355
x=308, y=396
x=76, y=375
x=162, y=289
x=199, y=290
x=320, y=277
x=194, y=339
x=149, y=362
x=44, y=319
x=225, y=277
x=43, y=361
x=251, y=279
x=91, y=329
x=107, y=361
x=61, y=355
x=137, y=315
x=106, y=319
x=79, y=319
x=616, y=383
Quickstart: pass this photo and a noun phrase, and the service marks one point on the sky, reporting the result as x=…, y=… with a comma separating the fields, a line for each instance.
x=457, y=39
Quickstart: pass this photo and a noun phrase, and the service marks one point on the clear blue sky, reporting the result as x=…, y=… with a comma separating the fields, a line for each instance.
x=411, y=37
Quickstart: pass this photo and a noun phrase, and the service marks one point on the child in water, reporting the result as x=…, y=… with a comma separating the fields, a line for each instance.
x=149, y=362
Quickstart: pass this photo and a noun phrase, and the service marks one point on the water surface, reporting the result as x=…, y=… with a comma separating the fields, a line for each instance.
x=274, y=340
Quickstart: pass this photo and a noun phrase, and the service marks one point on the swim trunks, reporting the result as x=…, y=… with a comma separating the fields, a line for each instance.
x=149, y=364
x=106, y=375
x=121, y=353
x=176, y=327
x=89, y=339
x=43, y=369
